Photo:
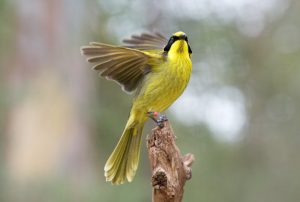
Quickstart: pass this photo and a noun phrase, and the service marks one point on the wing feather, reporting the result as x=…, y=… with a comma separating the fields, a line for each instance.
x=105, y=65
x=127, y=65
x=146, y=41
x=103, y=58
x=124, y=65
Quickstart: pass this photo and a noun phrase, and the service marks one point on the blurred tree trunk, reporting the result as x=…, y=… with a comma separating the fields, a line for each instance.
x=46, y=133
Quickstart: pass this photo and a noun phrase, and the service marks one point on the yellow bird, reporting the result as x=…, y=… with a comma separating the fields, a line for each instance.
x=157, y=71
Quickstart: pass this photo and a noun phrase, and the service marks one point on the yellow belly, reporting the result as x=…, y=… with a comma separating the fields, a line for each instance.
x=162, y=87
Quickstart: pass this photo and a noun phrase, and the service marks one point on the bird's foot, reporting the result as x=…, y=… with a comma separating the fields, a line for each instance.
x=160, y=121
x=158, y=118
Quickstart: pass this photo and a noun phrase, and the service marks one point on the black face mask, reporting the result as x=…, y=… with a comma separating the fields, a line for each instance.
x=175, y=38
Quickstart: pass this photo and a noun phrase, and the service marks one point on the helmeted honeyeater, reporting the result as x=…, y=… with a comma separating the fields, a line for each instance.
x=156, y=71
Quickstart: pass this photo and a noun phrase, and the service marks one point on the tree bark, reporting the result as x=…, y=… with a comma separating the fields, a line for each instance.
x=170, y=170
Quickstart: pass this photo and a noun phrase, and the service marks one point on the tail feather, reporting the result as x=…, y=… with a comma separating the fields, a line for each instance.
x=123, y=161
x=114, y=163
x=120, y=170
x=134, y=155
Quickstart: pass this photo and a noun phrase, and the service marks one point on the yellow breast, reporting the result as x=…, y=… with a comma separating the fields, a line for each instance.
x=162, y=87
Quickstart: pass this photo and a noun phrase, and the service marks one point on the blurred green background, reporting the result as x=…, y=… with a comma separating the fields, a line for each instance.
x=239, y=115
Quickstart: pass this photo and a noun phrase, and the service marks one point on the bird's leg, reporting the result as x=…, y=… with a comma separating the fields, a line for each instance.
x=153, y=115
x=157, y=118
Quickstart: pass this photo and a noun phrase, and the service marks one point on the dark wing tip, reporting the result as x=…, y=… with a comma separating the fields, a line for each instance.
x=146, y=41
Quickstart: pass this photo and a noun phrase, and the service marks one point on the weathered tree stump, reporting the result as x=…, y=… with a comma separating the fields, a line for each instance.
x=170, y=170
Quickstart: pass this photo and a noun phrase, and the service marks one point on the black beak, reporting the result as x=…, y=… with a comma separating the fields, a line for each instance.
x=183, y=36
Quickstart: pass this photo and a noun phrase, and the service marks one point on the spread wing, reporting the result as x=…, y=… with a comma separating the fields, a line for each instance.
x=145, y=41
x=124, y=65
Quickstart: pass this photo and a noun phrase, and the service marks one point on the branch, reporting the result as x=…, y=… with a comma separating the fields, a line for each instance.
x=170, y=170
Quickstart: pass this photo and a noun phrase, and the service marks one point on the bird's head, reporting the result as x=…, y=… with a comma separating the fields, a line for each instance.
x=178, y=44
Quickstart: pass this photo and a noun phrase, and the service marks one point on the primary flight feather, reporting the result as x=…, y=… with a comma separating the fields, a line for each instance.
x=157, y=71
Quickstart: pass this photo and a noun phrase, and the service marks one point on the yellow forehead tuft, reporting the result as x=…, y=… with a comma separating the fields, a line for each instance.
x=180, y=33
